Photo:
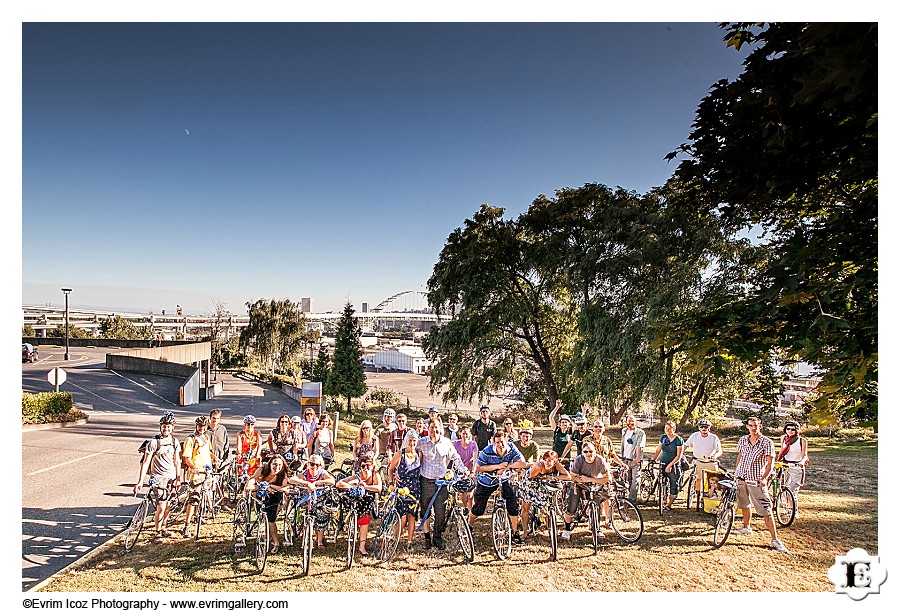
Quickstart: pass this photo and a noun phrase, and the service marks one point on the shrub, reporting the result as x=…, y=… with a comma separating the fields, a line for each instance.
x=46, y=407
x=384, y=397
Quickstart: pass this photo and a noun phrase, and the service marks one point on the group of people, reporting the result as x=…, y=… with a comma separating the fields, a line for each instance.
x=418, y=456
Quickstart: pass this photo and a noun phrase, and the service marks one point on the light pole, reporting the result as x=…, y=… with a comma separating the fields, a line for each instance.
x=66, y=292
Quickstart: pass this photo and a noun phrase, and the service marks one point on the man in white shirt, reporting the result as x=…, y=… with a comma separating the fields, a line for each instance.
x=436, y=454
x=707, y=450
x=633, y=440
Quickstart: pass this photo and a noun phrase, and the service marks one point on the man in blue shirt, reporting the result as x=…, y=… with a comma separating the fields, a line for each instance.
x=492, y=462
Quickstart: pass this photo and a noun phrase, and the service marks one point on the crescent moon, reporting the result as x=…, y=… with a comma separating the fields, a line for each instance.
x=187, y=132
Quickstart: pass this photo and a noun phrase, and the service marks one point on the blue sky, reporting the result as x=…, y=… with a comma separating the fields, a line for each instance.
x=324, y=160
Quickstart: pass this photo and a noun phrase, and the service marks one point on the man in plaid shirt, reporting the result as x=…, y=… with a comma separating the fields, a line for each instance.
x=756, y=453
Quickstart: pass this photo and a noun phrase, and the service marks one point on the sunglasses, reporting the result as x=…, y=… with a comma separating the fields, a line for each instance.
x=704, y=427
x=790, y=428
x=315, y=464
x=588, y=452
x=507, y=424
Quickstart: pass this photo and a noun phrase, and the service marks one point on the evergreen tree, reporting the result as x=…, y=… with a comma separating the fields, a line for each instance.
x=347, y=376
x=321, y=368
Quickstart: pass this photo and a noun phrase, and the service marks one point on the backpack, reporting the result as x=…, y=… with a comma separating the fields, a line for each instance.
x=142, y=449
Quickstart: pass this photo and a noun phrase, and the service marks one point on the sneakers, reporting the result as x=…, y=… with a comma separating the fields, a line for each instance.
x=517, y=539
x=438, y=541
x=742, y=531
x=777, y=545
x=566, y=535
x=186, y=533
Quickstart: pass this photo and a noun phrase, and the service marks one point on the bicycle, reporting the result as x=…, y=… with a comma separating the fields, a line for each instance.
x=244, y=528
x=724, y=511
x=457, y=512
x=387, y=538
x=501, y=529
x=784, y=501
x=138, y=519
x=652, y=486
x=303, y=517
x=541, y=494
x=588, y=508
x=624, y=516
x=204, y=501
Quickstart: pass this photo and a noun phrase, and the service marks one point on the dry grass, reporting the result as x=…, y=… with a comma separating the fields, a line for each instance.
x=839, y=512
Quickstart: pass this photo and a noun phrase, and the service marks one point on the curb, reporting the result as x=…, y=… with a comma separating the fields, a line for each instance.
x=52, y=425
x=101, y=548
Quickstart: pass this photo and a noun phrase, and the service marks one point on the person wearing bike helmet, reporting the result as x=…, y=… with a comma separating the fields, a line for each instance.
x=579, y=434
x=197, y=460
x=249, y=445
x=383, y=433
x=370, y=481
x=794, y=453
x=527, y=446
x=160, y=461
x=707, y=449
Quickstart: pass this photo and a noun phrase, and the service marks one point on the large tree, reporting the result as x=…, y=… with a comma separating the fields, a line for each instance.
x=791, y=146
x=276, y=333
x=508, y=318
x=117, y=327
x=347, y=377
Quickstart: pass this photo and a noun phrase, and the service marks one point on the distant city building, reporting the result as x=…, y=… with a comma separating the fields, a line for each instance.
x=306, y=305
x=408, y=358
x=365, y=308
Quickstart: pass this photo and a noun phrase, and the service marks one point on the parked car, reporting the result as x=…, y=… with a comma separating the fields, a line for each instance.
x=29, y=353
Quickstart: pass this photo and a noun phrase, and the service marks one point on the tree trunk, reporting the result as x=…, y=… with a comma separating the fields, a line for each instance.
x=615, y=415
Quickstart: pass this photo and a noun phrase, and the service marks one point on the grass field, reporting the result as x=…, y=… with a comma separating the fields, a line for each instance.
x=838, y=512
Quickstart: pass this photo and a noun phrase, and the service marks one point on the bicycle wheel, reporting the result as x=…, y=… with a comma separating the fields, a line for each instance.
x=724, y=522
x=645, y=488
x=626, y=519
x=262, y=541
x=289, y=522
x=561, y=501
x=352, y=537
x=691, y=489
x=136, y=524
x=594, y=524
x=239, y=524
x=177, y=501
x=464, y=534
x=306, y=543
x=501, y=532
x=785, y=507
x=551, y=528
x=387, y=539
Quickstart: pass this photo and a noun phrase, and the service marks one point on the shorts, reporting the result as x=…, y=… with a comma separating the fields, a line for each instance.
x=363, y=520
x=483, y=493
x=162, y=491
x=751, y=491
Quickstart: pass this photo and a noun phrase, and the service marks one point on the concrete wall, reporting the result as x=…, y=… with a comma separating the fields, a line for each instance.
x=178, y=361
x=184, y=353
x=137, y=364
x=100, y=343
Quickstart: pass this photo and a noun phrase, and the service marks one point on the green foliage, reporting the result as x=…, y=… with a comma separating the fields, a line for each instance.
x=76, y=333
x=791, y=146
x=511, y=318
x=385, y=397
x=28, y=330
x=117, y=327
x=228, y=355
x=276, y=335
x=46, y=407
x=347, y=375
x=322, y=367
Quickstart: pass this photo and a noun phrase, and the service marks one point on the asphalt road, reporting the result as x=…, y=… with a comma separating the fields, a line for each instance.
x=76, y=481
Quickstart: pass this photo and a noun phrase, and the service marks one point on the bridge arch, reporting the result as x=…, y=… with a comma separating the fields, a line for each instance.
x=408, y=300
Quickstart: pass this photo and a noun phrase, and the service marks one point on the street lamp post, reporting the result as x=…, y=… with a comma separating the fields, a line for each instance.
x=66, y=292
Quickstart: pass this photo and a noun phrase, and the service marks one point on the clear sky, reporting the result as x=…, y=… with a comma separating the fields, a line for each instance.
x=186, y=163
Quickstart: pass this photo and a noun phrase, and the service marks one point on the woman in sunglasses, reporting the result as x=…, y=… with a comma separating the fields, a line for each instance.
x=404, y=473
x=275, y=473
x=510, y=431
x=365, y=444
x=794, y=453
x=370, y=481
x=313, y=478
x=283, y=439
